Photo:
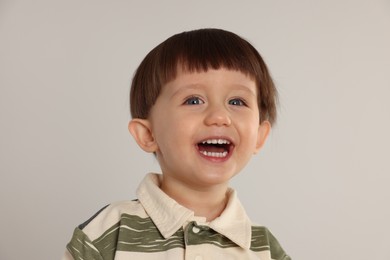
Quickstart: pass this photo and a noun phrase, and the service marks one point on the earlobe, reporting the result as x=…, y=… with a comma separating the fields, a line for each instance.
x=141, y=131
x=262, y=135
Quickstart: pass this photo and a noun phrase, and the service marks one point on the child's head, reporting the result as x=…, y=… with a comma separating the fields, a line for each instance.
x=202, y=102
x=199, y=51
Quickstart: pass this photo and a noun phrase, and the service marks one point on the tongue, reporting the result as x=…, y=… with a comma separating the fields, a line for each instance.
x=212, y=148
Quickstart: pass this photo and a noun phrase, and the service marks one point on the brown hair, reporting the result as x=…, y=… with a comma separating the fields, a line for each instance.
x=200, y=50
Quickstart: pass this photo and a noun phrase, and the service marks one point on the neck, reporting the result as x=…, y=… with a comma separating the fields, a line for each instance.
x=204, y=202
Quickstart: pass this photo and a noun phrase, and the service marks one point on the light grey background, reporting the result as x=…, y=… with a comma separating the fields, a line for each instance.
x=321, y=184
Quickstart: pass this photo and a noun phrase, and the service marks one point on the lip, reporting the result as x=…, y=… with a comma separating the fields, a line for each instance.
x=230, y=145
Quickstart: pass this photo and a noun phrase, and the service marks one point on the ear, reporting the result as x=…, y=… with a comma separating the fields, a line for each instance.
x=263, y=132
x=140, y=129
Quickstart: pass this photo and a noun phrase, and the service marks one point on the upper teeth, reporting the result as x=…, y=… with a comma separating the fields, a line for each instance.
x=216, y=141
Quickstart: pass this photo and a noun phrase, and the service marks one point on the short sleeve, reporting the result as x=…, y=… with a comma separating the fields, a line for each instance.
x=80, y=247
x=277, y=251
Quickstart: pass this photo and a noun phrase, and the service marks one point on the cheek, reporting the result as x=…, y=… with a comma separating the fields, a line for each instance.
x=249, y=131
x=171, y=132
x=247, y=121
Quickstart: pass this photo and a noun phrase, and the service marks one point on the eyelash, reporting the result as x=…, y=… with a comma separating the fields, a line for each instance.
x=198, y=101
x=240, y=101
x=193, y=98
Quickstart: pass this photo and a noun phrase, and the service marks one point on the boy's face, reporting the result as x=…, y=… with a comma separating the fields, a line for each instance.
x=204, y=127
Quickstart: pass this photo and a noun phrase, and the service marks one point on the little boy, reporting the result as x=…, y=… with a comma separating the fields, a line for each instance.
x=203, y=102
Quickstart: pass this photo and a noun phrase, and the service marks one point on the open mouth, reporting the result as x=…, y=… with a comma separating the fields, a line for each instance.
x=217, y=148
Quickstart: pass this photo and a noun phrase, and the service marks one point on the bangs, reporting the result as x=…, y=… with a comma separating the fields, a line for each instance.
x=201, y=50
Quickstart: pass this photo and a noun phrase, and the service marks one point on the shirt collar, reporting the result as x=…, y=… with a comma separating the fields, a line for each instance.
x=169, y=216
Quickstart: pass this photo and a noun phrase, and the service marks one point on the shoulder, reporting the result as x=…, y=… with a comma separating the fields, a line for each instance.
x=109, y=216
x=263, y=239
x=86, y=242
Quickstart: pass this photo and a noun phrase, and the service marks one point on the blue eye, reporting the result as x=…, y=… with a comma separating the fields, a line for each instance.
x=237, y=102
x=193, y=101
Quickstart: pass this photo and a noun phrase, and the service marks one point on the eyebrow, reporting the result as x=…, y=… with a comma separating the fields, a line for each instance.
x=186, y=87
x=245, y=88
x=200, y=86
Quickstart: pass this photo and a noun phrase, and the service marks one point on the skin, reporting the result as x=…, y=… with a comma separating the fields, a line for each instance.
x=217, y=104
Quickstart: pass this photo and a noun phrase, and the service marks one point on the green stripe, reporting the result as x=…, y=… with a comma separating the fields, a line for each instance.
x=107, y=243
x=135, y=234
x=277, y=251
x=260, y=240
x=81, y=248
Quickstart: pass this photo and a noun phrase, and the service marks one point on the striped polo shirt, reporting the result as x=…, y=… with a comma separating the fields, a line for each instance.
x=156, y=227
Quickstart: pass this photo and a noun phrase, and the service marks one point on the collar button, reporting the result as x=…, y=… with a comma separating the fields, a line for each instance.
x=195, y=230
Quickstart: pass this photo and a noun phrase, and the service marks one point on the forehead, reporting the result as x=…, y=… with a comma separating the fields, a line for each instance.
x=228, y=79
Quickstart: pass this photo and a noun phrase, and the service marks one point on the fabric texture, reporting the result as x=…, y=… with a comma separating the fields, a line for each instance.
x=156, y=227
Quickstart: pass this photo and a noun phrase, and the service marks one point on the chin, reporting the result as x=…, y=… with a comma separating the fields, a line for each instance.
x=216, y=178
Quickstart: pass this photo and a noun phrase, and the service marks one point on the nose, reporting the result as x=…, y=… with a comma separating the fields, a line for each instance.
x=217, y=116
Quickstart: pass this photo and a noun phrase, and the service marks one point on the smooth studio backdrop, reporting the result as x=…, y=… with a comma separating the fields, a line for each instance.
x=321, y=184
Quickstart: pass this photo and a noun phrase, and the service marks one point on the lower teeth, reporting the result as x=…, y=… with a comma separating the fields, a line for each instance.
x=213, y=154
